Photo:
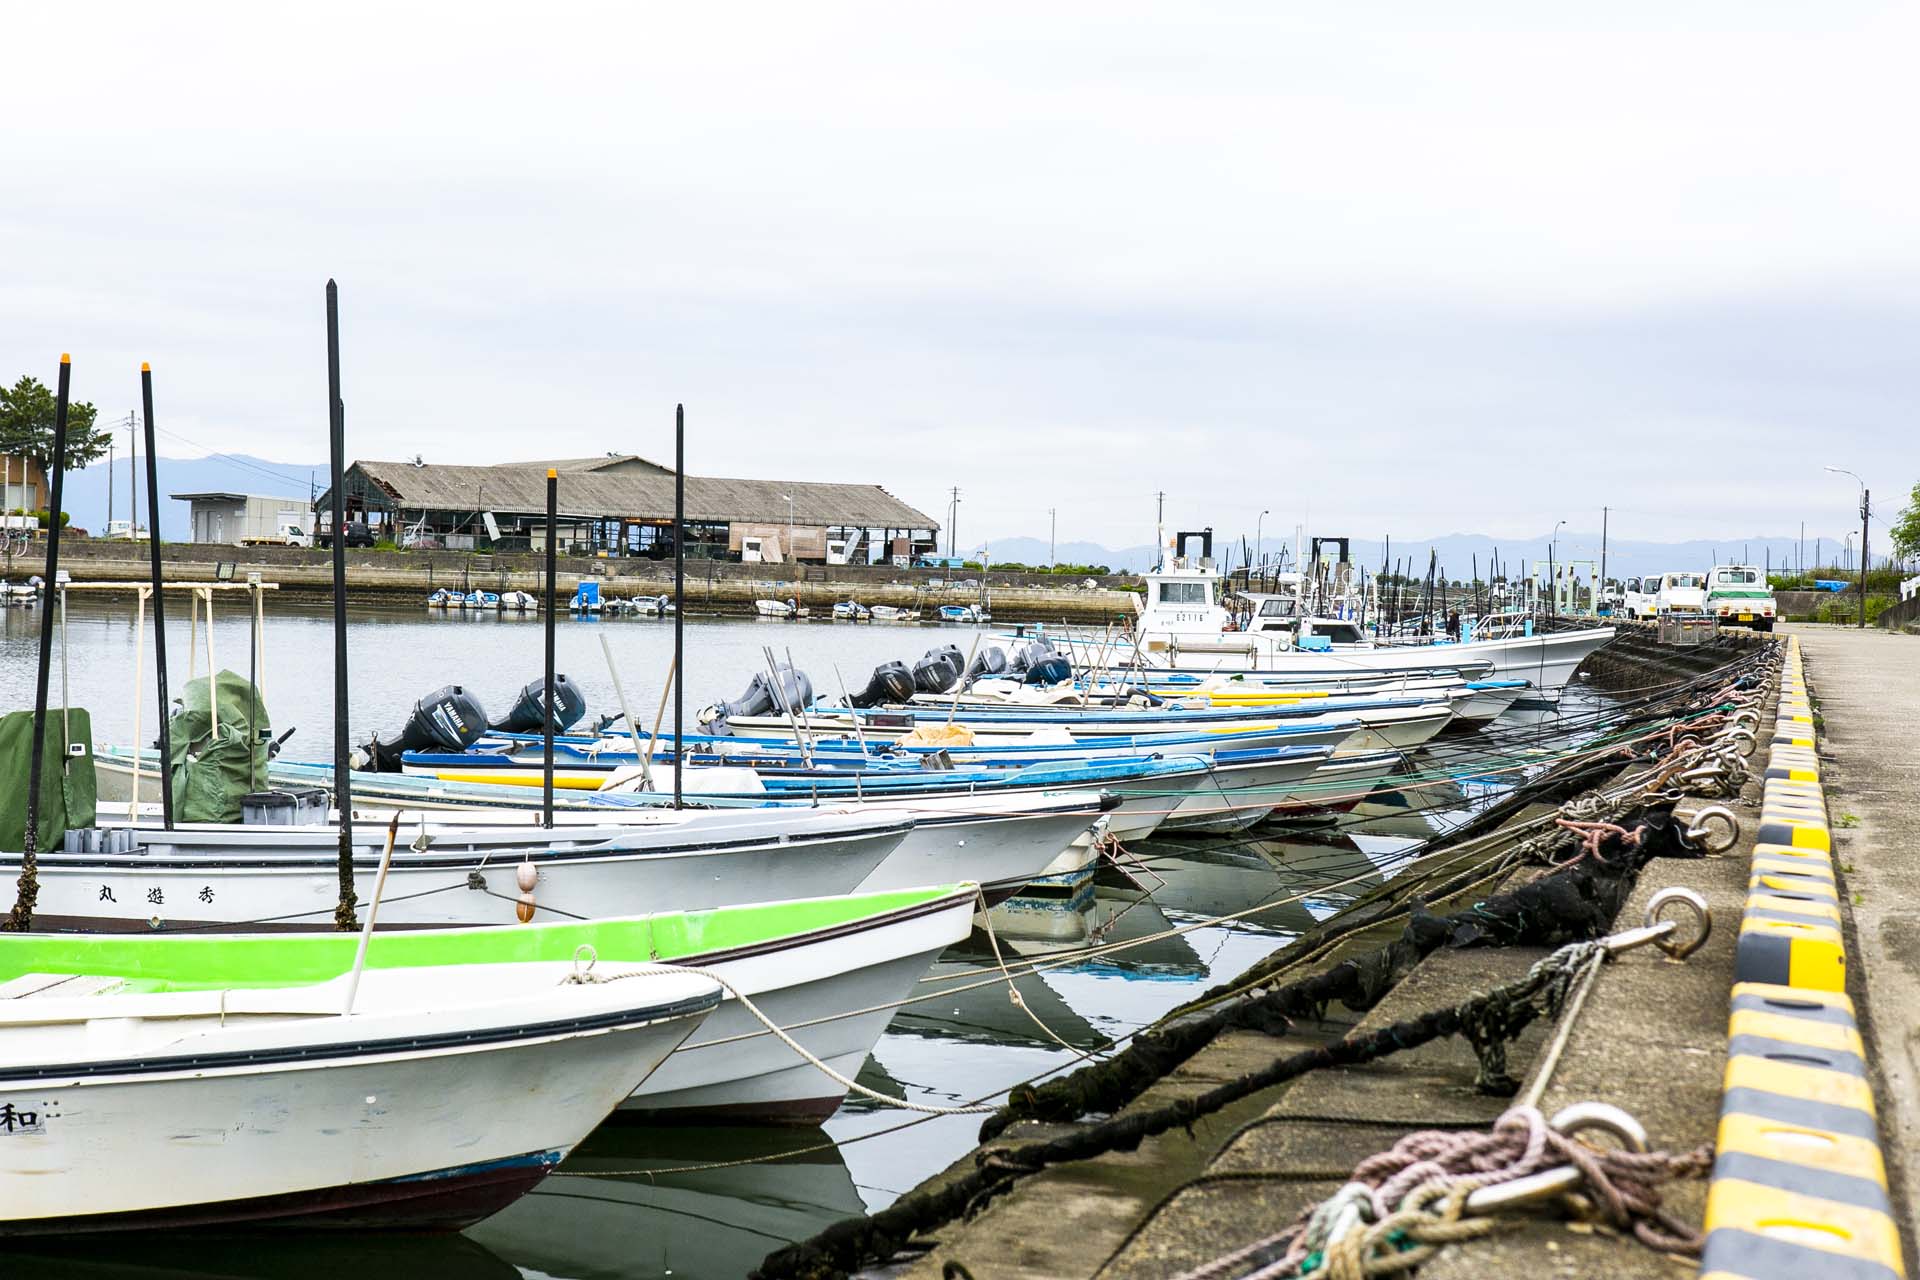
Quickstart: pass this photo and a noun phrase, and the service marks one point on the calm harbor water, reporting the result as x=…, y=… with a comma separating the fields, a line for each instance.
x=628, y=1207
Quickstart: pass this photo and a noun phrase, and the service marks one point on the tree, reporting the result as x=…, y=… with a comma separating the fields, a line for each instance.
x=1906, y=529
x=26, y=426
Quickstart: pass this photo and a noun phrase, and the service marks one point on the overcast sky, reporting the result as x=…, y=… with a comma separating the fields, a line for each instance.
x=1426, y=274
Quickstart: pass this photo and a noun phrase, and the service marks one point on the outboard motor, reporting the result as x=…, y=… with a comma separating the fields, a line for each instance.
x=449, y=719
x=569, y=704
x=890, y=682
x=991, y=660
x=939, y=669
x=1054, y=668
x=762, y=698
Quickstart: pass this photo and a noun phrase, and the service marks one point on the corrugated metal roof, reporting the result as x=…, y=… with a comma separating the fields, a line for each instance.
x=522, y=488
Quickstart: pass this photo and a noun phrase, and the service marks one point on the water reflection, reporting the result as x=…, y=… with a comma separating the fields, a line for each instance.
x=281, y=1256
x=633, y=1216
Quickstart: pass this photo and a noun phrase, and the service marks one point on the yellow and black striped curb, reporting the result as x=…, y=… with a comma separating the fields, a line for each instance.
x=1799, y=1186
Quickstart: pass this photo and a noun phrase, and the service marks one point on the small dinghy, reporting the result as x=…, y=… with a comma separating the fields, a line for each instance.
x=653, y=606
x=893, y=613
x=851, y=611
x=444, y=599
x=962, y=613
x=518, y=602
x=209, y=1081
x=779, y=609
x=482, y=600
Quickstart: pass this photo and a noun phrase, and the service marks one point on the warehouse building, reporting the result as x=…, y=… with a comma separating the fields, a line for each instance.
x=235, y=518
x=622, y=504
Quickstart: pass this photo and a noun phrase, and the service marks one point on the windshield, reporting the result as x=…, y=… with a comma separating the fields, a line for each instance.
x=1736, y=577
x=1183, y=593
x=1680, y=581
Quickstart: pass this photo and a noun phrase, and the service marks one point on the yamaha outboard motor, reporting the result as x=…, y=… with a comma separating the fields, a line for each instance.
x=569, y=704
x=890, y=682
x=991, y=660
x=1037, y=662
x=939, y=669
x=449, y=719
x=762, y=698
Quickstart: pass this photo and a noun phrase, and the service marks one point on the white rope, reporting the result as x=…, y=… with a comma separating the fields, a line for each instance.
x=587, y=975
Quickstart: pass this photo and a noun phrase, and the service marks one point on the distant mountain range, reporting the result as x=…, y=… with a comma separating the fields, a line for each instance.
x=85, y=494
x=1459, y=553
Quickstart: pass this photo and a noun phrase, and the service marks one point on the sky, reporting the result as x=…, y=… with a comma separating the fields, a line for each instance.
x=1401, y=272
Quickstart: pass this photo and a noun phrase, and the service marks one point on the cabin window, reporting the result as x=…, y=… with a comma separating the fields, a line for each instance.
x=1277, y=609
x=1183, y=593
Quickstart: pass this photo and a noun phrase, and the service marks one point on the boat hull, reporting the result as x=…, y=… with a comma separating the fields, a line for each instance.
x=427, y=1130
x=264, y=878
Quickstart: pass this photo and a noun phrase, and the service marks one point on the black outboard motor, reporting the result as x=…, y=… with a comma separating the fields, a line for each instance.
x=890, y=682
x=762, y=698
x=449, y=719
x=991, y=660
x=939, y=669
x=1054, y=668
x=569, y=704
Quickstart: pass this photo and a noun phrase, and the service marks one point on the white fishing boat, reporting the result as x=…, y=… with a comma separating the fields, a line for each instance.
x=1241, y=792
x=1183, y=625
x=893, y=613
x=779, y=609
x=423, y=1098
x=476, y=869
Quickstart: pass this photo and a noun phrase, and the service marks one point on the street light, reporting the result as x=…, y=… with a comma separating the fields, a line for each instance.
x=1866, y=509
x=792, y=554
x=1258, y=539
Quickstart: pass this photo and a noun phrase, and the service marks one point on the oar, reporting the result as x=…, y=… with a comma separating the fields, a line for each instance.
x=373, y=909
x=653, y=743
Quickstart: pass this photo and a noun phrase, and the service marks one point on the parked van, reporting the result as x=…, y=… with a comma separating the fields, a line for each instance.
x=1681, y=593
x=1738, y=595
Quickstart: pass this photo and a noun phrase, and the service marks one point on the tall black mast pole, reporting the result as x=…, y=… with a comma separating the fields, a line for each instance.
x=159, y=605
x=28, y=891
x=679, y=586
x=546, y=720
x=343, y=915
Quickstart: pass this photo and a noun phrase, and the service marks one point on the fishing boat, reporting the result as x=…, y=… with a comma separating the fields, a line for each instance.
x=255, y=1092
x=963, y=613
x=444, y=599
x=827, y=970
x=893, y=613
x=1183, y=625
x=465, y=869
x=851, y=611
x=779, y=609
x=653, y=606
x=518, y=602
x=478, y=600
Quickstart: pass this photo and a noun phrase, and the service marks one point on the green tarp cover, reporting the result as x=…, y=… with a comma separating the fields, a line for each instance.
x=66, y=781
x=219, y=755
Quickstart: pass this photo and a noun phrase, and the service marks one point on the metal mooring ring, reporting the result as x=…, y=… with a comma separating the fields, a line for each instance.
x=1673, y=944
x=1698, y=834
x=1581, y=1116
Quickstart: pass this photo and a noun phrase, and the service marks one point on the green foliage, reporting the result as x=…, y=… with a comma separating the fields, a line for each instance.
x=26, y=426
x=40, y=514
x=1906, y=528
x=1065, y=570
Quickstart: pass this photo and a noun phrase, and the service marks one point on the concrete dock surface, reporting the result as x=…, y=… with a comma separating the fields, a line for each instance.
x=1652, y=1039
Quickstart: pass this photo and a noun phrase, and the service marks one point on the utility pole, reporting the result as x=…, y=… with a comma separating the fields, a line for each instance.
x=953, y=524
x=1803, y=550
x=1603, y=552
x=133, y=473
x=1866, y=509
x=109, y=484
x=1053, y=530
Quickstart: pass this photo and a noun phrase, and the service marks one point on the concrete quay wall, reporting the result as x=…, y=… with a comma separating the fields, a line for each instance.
x=715, y=587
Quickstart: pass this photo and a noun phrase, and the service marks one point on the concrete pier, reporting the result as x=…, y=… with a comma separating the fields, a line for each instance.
x=1653, y=1037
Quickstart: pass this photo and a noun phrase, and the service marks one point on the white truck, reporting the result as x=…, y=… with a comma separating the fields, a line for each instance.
x=1640, y=598
x=1738, y=595
x=1681, y=593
